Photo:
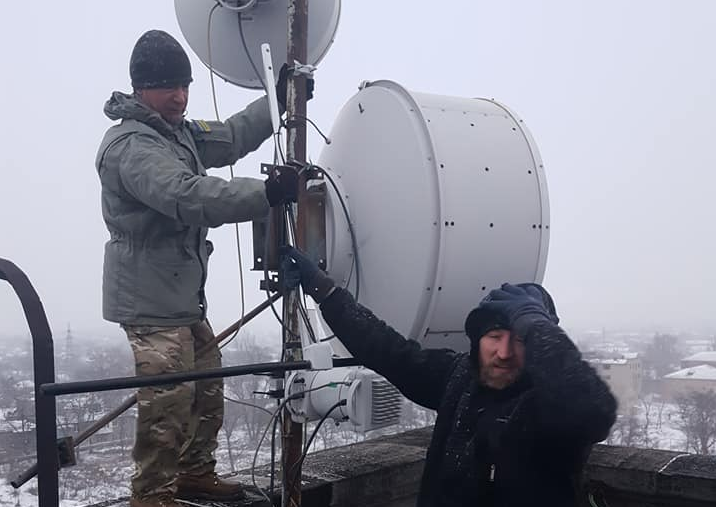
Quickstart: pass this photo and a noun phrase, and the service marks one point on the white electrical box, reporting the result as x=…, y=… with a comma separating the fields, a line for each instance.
x=371, y=402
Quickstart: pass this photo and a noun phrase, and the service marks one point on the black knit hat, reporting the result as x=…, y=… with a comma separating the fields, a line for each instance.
x=480, y=321
x=159, y=61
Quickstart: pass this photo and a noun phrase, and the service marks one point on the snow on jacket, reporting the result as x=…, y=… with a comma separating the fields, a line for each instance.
x=158, y=204
x=522, y=445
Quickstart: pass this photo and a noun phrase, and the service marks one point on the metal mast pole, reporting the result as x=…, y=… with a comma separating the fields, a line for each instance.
x=292, y=434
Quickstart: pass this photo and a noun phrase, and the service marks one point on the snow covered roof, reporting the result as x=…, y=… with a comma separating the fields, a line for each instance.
x=601, y=358
x=701, y=372
x=698, y=341
x=702, y=356
x=607, y=361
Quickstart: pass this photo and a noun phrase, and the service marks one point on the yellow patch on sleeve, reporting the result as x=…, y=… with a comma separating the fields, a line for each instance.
x=201, y=125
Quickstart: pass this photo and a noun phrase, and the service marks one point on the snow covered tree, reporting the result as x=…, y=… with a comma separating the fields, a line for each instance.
x=698, y=420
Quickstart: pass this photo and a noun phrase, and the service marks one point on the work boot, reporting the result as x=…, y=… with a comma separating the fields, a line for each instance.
x=153, y=501
x=209, y=487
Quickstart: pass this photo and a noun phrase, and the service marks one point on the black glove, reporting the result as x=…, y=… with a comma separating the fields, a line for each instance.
x=521, y=305
x=282, y=186
x=296, y=267
x=282, y=85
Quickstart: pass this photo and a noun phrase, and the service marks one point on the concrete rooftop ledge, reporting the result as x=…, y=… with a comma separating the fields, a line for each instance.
x=381, y=472
x=629, y=476
x=385, y=472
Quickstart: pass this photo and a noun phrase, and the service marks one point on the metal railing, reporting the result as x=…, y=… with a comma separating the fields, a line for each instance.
x=44, y=365
x=49, y=449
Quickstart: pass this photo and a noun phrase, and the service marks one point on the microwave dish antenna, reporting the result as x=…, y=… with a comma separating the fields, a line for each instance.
x=447, y=198
x=228, y=24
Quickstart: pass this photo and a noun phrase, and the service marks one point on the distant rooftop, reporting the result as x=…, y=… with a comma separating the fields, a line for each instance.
x=607, y=361
x=702, y=372
x=707, y=356
x=602, y=357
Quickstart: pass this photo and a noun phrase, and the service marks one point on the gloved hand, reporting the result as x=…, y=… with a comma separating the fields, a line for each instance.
x=282, y=186
x=521, y=305
x=296, y=267
x=282, y=85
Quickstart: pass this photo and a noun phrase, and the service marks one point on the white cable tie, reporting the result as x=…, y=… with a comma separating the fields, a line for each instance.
x=302, y=69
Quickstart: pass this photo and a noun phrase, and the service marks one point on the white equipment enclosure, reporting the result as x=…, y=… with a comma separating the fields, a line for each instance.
x=448, y=199
x=222, y=24
x=371, y=401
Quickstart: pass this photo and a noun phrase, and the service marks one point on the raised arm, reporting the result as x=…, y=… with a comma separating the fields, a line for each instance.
x=154, y=175
x=222, y=143
x=420, y=374
x=570, y=398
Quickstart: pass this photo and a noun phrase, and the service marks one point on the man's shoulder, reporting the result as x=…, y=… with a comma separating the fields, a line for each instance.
x=125, y=130
x=461, y=370
x=116, y=137
x=131, y=126
x=200, y=126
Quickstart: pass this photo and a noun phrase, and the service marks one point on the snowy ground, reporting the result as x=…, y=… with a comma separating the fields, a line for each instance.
x=101, y=477
x=660, y=432
x=105, y=475
x=665, y=435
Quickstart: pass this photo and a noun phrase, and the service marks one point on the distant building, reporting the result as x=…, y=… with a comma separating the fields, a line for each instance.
x=696, y=345
x=624, y=375
x=706, y=357
x=689, y=380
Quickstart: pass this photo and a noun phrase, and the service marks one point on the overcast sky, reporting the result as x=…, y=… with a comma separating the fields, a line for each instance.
x=619, y=96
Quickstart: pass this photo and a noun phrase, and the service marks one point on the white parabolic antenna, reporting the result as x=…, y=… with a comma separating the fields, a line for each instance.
x=261, y=21
x=448, y=200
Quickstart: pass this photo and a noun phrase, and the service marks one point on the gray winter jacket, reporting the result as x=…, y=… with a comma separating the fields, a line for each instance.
x=158, y=204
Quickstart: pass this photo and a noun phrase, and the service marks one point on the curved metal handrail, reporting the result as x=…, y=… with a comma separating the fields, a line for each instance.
x=44, y=372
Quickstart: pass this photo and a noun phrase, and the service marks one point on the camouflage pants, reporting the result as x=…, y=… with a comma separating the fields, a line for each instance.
x=177, y=424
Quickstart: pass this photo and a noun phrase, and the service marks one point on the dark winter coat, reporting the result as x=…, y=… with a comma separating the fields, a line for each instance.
x=158, y=204
x=521, y=446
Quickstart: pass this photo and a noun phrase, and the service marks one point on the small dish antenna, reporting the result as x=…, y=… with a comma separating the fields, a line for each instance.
x=229, y=25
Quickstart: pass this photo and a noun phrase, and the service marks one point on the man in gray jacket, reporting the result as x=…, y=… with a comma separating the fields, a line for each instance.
x=158, y=203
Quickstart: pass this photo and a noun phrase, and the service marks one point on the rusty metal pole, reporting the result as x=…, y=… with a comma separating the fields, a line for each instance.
x=292, y=434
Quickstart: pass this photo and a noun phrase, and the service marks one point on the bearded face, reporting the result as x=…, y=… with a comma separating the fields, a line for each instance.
x=501, y=358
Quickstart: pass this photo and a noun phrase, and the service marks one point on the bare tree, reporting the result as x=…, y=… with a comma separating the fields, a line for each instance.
x=647, y=403
x=328, y=435
x=24, y=412
x=697, y=411
x=626, y=431
x=8, y=390
x=414, y=416
x=245, y=410
x=660, y=414
x=232, y=416
x=660, y=357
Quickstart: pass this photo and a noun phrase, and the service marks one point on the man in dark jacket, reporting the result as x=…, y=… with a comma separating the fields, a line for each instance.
x=158, y=204
x=516, y=417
